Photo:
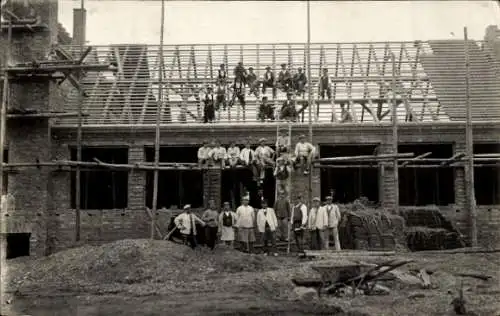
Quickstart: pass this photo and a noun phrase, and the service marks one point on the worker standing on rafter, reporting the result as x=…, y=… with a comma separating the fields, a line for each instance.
x=269, y=81
x=325, y=85
x=221, y=87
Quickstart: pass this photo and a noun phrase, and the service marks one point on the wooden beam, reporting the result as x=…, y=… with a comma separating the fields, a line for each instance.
x=419, y=157
x=367, y=157
x=45, y=68
x=454, y=158
x=43, y=115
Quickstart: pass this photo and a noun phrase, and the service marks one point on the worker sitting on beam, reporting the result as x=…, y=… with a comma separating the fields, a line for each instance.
x=203, y=154
x=264, y=155
x=218, y=154
x=233, y=154
x=304, y=153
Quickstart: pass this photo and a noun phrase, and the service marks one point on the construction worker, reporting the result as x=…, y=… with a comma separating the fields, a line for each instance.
x=284, y=79
x=248, y=159
x=238, y=92
x=227, y=222
x=267, y=224
x=299, y=81
x=186, y=223
x=283, y=170
x=218, y=154
x=283, y=211
x=304, y=153
x=245, y=215
x=203, y=154
x=264, y=155
x=210, y=217
x=269, y=81
x=334, y=217
x=209, y=106
x=222, y=75
x=252, y=82
x=288, y=111
x=240, y=73
x=317, y=224
x=298, y=221
x=325, y=85
x=266, y=110
x=233, y=154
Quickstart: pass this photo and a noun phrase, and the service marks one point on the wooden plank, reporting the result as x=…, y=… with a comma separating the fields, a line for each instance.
x=367, y=157
x=395, y=143
x=126, y=106
x=347, y=253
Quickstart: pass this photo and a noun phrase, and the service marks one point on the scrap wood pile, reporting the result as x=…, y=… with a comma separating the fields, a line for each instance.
x=132, y=261
x=364, y=226
x=429, y=229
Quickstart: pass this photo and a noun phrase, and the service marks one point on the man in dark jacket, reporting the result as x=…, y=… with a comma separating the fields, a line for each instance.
x=284, y=78
x=240, y=73
x=288, y=111
x=252, y=82
x=266, y=110
x=299, y=81
x=282, y=210
x=269, y=81
x=209, y=107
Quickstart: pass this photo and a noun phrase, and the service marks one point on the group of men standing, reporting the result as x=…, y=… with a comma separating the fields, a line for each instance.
x=272, y=223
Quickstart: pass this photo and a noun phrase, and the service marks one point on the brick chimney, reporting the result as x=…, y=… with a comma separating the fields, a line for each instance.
x=79, y=26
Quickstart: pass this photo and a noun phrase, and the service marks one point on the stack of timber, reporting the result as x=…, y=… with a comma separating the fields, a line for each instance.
x=368, y=228
x=428, y=229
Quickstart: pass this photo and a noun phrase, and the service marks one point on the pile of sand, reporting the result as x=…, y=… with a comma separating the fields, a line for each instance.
x=133, y=261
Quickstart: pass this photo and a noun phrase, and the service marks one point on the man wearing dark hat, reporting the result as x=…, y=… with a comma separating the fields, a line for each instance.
x=266, y=110
x=283, y=211
x=288, y=111
x=334, y=217
x=299, y=81
x=269, y=81
x=222, y=75
x=298, y=222
x=252, y=82
x=240, y=73
x=238, y=91
x=284, y=78
x=209, y=106
x=325, y=85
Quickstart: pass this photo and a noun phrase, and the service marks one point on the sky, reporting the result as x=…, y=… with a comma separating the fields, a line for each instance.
x=192, y=22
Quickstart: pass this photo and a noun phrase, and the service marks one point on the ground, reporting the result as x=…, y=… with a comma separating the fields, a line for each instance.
x=141, y=277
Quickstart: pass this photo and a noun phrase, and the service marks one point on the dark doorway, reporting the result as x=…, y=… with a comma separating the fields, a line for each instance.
x=487, y=176
x=427, y=186
x=236, y=182
x=175, y=187
x=18, y=245
x=349, y=183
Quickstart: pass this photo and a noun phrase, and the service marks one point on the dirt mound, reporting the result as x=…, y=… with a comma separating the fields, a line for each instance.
x=133, y=261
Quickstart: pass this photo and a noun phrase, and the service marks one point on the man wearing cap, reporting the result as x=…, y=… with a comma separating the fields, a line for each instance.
x=298, y=222
x=269, y=81
x=266, y=110
x=238, y=92
x=240, y=73
x=299, y=81
x=325, y=85
x=288, y=111
x=252, y=82
x=317, y=224
x=264, y=155
x=334, y=217
x=222, y=75
x=227, y=222
x=284, y=78
x=283, y=212
x=267, y=224
x=245, y=215
x=283, y=170
x=209, y=106
x=210, y=217
x=186, y=223
x=304, y=153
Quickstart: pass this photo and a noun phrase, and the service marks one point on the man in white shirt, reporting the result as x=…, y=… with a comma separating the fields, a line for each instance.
x=264, y=155
x=282, y=143
x=267, y=224
x=233, y=154
x=317, y=224
x=203, y=154
x=248, y=159
x=186, y=223
x=210, y=217
x=218, y=154
x=334, y=217
x=304, y=153
x=298, y=221
x=245, y=215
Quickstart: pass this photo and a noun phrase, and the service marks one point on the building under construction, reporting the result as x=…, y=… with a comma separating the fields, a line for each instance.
x=79, y=128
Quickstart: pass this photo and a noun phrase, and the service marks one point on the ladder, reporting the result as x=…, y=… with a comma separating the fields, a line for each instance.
x=287, y=184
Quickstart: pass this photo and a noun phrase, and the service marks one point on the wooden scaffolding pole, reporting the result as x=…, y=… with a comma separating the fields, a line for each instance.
x=395, y=136
x=309, y=94
x=469, y=169
x=158, y=121
x=81, y=95
x=5, y=99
